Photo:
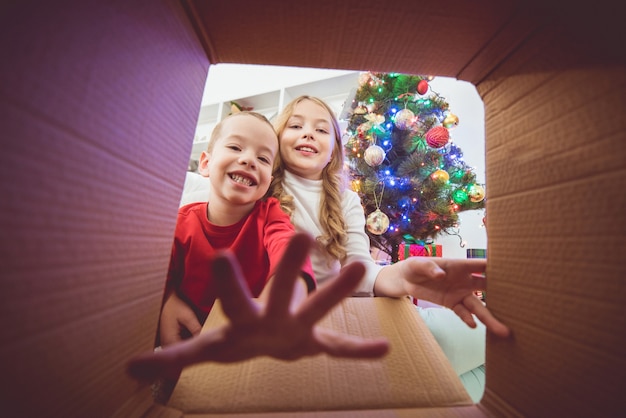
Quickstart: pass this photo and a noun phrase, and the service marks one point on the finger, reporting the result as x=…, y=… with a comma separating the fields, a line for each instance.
x=425, y=268
x=190, y=323
x=465, y=315
x=288, y=270
x=327, y=296
x=486, y=317
x=349, y=346
x=232, y=289
x=170, y=361
x=468, y=266
x=479, y=281
x=150, y=367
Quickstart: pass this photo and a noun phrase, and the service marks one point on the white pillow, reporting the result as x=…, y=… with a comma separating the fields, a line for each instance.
x=196, y=189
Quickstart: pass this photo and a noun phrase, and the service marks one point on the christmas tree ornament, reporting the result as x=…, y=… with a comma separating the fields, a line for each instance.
x=440, y=176
x=355, y=185
x=374, y=119
x=404, y=119
x=459, y=196
x=450, y=121
x=422, y=87
x=476, y=193
x=362, y=130
x=360, y=110
x=377, y=222
x=437, y=137
x=374, y=156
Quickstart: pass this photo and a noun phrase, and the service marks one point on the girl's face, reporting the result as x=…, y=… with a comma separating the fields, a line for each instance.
x=308, y=140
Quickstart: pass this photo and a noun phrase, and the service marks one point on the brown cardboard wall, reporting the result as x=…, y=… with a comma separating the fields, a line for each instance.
x=99, y=104
x=425, y=37
x=555, y=173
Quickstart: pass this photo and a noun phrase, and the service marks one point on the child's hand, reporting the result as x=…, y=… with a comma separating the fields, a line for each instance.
x=452, y=283
x=178, y=321
x=272, y=330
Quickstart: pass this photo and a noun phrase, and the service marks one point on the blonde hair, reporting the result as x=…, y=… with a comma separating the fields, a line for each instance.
x=217, y=131
x=331, y=217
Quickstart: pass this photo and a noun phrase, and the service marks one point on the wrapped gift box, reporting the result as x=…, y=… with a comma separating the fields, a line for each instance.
x=419, y=250
x=476, y=253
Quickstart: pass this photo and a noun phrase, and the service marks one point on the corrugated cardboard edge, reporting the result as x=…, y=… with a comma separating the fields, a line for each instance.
x=458, y=411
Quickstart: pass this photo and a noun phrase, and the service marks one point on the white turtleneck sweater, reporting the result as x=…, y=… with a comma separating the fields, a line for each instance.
x=306, y=195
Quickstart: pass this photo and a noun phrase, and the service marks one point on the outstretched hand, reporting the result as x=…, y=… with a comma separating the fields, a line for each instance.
x=274, y=329
x=451, y=283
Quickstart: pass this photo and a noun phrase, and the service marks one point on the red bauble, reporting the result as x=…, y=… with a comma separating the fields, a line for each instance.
x=422, y=87
x=437, y=137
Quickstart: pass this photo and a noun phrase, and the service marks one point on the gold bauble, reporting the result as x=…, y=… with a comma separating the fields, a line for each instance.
x=476, y=193
x=441, y=176
x=450, y=121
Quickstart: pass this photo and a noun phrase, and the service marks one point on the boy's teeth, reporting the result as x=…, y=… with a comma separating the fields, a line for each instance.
x=240, y=179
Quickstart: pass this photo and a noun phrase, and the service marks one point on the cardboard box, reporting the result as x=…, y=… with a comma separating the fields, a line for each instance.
x=322, y=383
x=99, y=103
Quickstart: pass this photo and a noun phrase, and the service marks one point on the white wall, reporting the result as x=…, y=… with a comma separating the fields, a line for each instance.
x=469, y=135
x=227, y=81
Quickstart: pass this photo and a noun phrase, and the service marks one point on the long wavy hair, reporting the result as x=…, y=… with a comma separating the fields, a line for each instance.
x=333, y=223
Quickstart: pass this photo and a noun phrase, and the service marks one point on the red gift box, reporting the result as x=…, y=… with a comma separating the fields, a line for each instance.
x=419, y=250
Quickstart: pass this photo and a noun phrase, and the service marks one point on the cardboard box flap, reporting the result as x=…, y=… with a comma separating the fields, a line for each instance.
x=414, y=374
x=413, y=39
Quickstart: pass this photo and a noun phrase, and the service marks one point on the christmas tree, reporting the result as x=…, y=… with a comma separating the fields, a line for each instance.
x=410, y=176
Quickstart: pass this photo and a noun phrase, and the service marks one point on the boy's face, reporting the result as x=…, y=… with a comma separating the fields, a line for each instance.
x=308, y=140
x=240, y=163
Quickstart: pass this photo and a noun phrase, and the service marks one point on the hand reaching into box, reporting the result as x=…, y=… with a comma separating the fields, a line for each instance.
x=273, y=329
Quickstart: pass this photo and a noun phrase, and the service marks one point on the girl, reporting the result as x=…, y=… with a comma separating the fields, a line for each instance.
x=310, y=185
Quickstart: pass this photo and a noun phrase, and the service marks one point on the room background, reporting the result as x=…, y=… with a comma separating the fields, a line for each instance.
x=234, y=82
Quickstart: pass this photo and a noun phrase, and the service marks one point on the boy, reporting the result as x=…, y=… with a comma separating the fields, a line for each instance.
x=238, y=162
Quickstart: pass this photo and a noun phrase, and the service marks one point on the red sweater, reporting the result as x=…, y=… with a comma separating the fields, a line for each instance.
x=258, y=241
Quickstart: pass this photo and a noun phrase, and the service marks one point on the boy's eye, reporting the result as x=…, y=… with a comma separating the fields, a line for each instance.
x=294, y=126
x=234, y=147
x=265, y=160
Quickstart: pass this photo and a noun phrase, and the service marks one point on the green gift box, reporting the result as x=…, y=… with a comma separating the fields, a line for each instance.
x=476, y=253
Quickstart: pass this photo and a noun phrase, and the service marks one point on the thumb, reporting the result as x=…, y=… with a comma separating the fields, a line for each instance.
x=425, y=268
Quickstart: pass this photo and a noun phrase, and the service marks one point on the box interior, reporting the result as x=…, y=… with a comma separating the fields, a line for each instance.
x=99, y=105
